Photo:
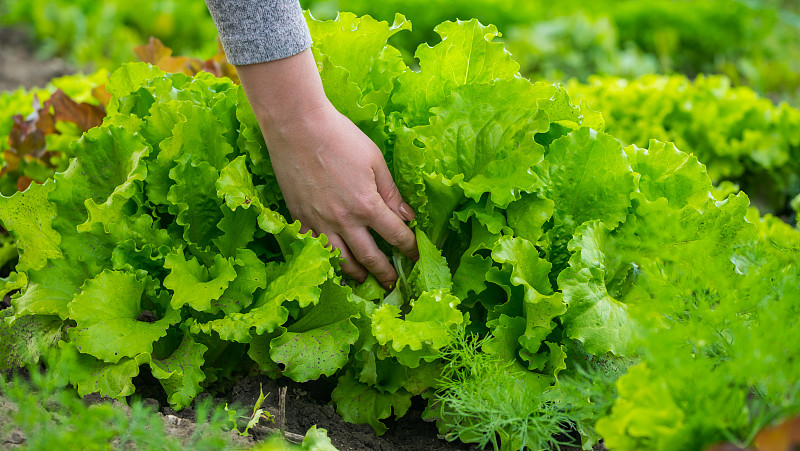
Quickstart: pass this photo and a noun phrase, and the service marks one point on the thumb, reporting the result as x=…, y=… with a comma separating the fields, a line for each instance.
x=390, y=194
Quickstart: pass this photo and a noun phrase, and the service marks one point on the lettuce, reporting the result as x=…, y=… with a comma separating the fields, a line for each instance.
x=739, y=135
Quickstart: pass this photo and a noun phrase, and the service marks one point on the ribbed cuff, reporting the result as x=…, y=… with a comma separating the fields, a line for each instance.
x=255, y=31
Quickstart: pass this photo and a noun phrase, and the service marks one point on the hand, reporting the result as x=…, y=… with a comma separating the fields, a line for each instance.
x=333, y=177
x=335, y=181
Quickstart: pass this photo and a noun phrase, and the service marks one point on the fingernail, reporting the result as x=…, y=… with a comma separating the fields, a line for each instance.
x=406, y=212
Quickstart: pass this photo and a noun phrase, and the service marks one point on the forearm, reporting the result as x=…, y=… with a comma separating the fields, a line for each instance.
x=333, y=177
x=283, y=91
x=254, y=31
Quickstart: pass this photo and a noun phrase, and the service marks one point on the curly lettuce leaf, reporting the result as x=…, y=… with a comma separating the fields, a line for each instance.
x=51, y=288
x=480, y=141
x=28, y=215
x=194, y=284
x=361, y=404
x=107, y=314
x=25, y=340
x=91, y=375
x=424, y=330
x=466, y=56
x=181, y=373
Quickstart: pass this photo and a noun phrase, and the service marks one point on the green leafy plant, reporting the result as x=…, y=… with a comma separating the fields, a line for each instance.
x=751, y=42
x=731, y=347
x=82, y=88
x=166, y=243
x=739, y=135
x=253, y=419
x=484, y=399
x=36, y=129
x=50, y=414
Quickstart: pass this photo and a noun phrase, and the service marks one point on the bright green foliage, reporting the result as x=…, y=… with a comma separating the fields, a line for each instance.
x=484, y=399
x=106, y=312
x=737, y=134
x=721, y=362
x=132, y=269
x=104, y=35
x=423, y=330
x=535, y=229
x=31, y=215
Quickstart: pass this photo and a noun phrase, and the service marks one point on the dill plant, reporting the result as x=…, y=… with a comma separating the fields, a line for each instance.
x=484, y=399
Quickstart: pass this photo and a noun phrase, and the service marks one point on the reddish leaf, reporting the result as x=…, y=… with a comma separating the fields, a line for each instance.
x=46, y=122
x=23, y=182
x=84, y=115
x=100, y=93
x=195, y=66
x=25, y=138
x=156, y=53
x=152, y=52
x=12, y=162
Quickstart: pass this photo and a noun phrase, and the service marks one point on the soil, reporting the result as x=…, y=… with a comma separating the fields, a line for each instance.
x=307, y=405
x=19, y=66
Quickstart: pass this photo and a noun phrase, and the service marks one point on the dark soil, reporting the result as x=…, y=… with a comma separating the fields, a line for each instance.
x=308, y=405
x=19, y=66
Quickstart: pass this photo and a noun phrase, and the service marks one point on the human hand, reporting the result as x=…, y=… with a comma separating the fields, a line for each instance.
x=333, y=177
x=335, y=181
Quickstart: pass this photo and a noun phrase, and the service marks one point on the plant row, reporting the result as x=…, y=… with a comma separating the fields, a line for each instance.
x=740, y=137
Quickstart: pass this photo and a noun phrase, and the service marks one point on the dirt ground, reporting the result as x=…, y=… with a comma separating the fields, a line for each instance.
x=20, y=68
x=307, y=405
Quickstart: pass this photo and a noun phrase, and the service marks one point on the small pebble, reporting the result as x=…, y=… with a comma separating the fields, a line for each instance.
x=15, y=438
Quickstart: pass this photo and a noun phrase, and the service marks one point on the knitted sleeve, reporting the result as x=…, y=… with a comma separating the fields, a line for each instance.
x=255, y=31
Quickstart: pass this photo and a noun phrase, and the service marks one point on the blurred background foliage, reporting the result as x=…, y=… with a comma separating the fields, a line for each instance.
x=719, y=78
x=103, y=34
x=753, y=42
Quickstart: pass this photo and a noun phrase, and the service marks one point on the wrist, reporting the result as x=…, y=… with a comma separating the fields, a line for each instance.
x=302, y=118
x=286, y=93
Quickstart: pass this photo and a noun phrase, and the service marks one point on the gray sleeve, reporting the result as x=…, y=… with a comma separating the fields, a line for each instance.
x=255, y=31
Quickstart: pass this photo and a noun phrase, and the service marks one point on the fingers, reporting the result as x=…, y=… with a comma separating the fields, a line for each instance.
x=390, y=194
x=364, y=249
x=350, y=265
x=396, y=232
